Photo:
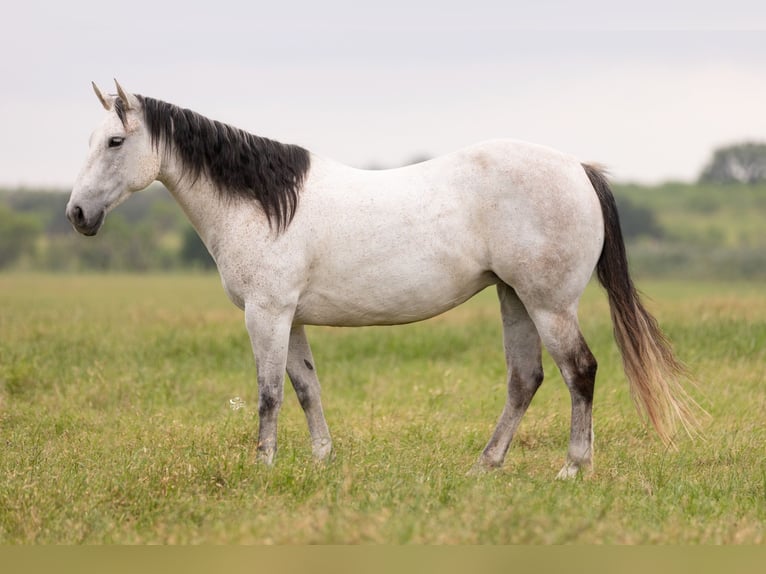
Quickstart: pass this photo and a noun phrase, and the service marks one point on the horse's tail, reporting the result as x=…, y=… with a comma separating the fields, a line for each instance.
x=650, y=365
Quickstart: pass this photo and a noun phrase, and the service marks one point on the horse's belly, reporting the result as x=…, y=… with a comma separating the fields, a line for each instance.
x=387, y=302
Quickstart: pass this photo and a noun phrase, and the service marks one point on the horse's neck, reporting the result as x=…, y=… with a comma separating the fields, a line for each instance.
x=200, y=201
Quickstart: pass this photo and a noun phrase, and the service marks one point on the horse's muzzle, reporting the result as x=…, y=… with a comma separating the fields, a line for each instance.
x=87, y=224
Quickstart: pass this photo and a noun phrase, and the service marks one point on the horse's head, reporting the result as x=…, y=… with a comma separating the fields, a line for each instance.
x=121, y=160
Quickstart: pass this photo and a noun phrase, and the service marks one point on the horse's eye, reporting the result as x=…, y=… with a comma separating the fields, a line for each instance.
x=116, y=141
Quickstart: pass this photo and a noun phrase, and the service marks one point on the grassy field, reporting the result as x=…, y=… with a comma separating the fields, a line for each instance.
x=116, y=426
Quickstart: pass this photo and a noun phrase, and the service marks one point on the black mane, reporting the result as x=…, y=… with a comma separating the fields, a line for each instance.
x=239, y=164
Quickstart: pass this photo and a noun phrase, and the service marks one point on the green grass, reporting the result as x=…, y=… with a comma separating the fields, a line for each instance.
x=115, y=426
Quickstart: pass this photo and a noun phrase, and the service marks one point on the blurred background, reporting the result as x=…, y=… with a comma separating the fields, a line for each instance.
x=668, y=95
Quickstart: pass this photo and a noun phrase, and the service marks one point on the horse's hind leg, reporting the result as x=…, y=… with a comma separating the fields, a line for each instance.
x=525, y=373
x=302, y=373
x=560, y=332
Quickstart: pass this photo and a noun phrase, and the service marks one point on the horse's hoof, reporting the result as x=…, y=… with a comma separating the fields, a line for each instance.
x=322, y=452
x=572, y=469
x=265, y=457
x=481, y=468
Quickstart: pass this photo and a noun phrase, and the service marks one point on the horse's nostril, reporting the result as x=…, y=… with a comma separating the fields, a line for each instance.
x=78, y=216
x=84, y=223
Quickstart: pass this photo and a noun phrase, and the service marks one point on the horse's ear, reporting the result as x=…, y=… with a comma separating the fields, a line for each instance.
x=101, y=98
x=129, y=100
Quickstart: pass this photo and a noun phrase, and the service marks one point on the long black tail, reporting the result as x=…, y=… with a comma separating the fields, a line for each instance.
x=650, y=365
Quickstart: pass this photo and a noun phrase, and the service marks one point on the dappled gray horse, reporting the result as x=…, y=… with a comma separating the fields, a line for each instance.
x=303, y=240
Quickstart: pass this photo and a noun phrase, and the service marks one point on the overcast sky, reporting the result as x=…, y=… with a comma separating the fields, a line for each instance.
x=648, y=89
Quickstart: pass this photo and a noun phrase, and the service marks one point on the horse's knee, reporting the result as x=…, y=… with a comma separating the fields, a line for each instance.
x=522, y=388
x=303, y=392
x=269, y=398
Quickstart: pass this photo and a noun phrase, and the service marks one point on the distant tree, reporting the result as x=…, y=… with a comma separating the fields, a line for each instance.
x=18, y=234
x=637, y=221
x=739, y=163
x=193, y=251
x=47, y=207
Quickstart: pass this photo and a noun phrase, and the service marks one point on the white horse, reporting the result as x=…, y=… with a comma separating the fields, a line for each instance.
x=302, y=240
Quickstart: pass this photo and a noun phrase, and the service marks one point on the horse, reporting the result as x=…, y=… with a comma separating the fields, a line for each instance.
x=299, y=239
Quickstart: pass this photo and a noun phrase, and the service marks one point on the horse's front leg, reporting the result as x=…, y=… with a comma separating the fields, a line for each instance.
x=269, y=332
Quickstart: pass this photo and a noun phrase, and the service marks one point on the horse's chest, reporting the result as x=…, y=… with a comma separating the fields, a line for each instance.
x=255, y=275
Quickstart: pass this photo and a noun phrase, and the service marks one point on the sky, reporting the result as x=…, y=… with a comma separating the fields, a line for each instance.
x=647, y=89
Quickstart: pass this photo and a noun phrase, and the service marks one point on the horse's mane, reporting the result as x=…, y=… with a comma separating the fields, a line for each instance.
x=239, y=164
